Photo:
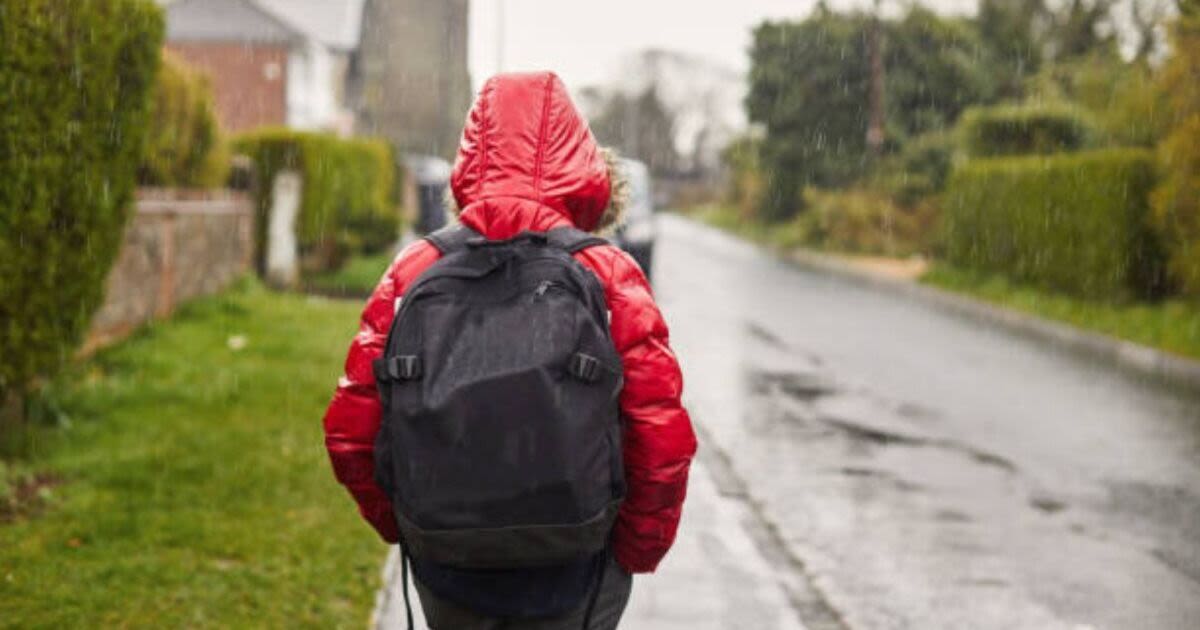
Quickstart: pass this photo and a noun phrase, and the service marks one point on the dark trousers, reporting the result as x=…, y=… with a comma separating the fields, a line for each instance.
x=610, y=604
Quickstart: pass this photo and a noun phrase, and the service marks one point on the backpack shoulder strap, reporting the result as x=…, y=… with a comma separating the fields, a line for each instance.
x=573, y=240
x=451, y=238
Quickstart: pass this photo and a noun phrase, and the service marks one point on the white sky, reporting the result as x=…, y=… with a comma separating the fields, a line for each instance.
x=583, y=40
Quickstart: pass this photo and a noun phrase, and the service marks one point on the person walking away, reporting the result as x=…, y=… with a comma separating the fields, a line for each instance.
x=510, y=411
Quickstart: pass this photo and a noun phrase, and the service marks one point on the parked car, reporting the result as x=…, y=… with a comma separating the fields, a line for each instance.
x=431, y=176
x=636, y=233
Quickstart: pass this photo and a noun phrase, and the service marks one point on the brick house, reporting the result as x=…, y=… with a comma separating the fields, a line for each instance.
x=271, y=62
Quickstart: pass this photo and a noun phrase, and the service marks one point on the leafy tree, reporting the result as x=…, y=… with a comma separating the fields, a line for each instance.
x=935, y=70
x=809, y=84
x=1119, y=96
x=808, y=87
x=1011, y=33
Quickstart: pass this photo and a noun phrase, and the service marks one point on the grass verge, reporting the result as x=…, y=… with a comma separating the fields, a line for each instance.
x=1172, y=325
x=192, y=486
x=357, y=277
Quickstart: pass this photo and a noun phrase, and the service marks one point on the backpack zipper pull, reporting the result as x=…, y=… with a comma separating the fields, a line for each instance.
x=542, y=287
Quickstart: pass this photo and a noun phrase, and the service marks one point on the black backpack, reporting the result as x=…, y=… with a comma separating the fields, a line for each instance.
x=500, y=441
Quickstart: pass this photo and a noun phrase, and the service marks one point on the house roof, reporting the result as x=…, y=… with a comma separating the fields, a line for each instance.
x=226, y=20
x=334, y=23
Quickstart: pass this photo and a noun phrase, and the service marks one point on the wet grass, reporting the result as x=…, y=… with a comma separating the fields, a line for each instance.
x=1172, y=325
x=190, y=487
x=357, y=277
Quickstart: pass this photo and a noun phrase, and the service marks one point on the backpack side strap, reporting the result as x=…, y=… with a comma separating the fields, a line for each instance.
x=573, y=240
x=451, y=238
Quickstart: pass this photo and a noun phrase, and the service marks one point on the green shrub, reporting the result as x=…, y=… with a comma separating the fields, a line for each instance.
x=347, y=202
x=1119, y=96
x=183, y=143
x=919, y=170
x=745, y=184
x=863, y=222
x=75, y=77
x=1177, y=204
x=1177, y=200
x=1025, y=129
x=1076, y=223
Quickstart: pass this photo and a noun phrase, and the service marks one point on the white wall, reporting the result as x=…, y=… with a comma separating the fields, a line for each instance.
x=312, y=90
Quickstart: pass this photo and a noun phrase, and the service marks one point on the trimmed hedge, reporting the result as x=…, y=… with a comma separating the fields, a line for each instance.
x=1022, y=129
x=183, y=143
x=347, y=205
x=1075, y=223
x=75, y=78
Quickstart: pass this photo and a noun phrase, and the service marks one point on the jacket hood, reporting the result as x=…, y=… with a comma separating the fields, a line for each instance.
x=528, y=160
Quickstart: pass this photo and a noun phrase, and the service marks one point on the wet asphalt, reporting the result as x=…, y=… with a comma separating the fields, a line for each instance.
x=905, y=467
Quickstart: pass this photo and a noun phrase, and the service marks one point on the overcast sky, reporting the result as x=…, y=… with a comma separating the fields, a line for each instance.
x=583, y=40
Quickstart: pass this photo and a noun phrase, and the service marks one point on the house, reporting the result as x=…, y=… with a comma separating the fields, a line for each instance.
x=271, y=62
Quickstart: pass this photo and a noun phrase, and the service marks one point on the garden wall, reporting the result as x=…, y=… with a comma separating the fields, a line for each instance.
x=178, y=245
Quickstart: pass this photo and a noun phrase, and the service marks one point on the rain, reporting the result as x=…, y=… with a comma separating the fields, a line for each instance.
x=457, y=314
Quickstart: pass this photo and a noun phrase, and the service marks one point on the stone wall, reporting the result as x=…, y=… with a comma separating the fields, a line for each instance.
x=179, y=245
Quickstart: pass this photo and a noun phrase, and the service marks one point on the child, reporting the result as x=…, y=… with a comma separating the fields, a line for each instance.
x=529, y=163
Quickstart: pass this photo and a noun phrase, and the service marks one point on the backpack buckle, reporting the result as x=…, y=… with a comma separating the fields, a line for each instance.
x=584, y=367
x=406, y=367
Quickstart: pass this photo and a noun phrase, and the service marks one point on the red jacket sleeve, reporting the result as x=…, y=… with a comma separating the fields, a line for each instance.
x=658, y=439
x=353, y=417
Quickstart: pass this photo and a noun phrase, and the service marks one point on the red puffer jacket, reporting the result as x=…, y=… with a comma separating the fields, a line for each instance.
x=529, y=162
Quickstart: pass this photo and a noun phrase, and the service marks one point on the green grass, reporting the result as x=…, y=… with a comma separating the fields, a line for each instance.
x=726, y=218
x=357, y=277
x=195, y=489
x=1172, y=325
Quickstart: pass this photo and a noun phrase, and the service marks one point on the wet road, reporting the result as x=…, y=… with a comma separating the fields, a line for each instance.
x=909, y=468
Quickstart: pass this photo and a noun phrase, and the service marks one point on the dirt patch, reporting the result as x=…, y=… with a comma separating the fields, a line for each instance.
x=895, y=268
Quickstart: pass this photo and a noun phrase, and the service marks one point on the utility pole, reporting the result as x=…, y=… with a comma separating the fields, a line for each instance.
x=875, y=123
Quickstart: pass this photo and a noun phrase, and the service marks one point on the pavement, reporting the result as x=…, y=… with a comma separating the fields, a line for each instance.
x=715, y=577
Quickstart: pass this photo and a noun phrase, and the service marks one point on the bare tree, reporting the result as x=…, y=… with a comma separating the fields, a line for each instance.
x=1147, y=17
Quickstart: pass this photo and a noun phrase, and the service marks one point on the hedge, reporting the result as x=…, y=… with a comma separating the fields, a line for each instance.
x=183, y=144
x=919, y=170
x=1076, y=223
x=75, y=76
x=1177, y=204
x=1023, y=129
x=347, y=204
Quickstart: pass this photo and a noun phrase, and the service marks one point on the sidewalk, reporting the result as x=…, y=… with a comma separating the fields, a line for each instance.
x=713, y=579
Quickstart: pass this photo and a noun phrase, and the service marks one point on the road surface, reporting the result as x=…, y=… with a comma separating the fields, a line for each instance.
x=923, y=470
x=869, y=461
